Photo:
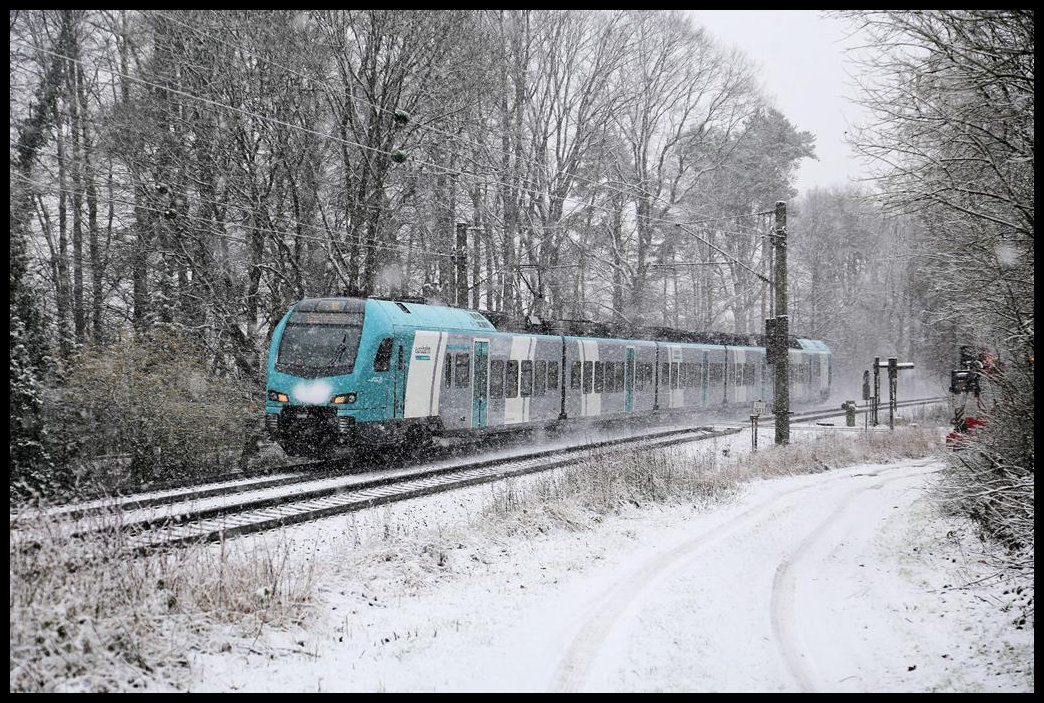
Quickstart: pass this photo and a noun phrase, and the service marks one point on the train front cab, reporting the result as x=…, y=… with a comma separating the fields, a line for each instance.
x=332, y=367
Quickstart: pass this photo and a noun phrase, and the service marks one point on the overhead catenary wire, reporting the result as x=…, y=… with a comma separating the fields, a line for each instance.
x=444, y=170
x=631, y=187
x=458, y=171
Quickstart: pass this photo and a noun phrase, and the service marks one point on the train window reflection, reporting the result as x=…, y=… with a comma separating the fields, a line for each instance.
x=326, y=348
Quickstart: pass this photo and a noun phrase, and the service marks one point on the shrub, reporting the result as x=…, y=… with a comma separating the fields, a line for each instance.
x=149, y=409
x=992, y=480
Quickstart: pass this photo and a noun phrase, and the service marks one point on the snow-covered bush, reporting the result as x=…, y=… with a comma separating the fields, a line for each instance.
x=992, y=481
x=150, y=409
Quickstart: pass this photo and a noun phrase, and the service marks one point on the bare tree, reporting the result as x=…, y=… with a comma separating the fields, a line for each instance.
x=685, y=89
x=951, y=93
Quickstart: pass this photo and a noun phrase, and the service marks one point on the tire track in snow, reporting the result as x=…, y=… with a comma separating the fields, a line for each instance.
x=795, y=651
x=583, y=651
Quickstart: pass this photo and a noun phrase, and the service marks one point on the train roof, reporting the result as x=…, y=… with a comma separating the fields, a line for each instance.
x=403, y=313
x=813, y=345
x=410, y=314
x=416, y=313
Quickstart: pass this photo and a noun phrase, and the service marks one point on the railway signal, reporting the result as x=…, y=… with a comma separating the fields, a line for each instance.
x=894, y=366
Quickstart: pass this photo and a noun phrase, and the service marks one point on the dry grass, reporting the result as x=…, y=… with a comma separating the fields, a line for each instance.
x=606, y=484
x=87, y=617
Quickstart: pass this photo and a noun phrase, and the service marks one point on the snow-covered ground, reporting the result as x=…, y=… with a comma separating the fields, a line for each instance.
x=846, y=580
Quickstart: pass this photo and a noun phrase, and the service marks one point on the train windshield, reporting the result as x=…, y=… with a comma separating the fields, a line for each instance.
x=318, y=344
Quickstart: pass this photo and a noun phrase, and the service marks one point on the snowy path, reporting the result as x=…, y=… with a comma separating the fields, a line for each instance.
x=755, y=584
x=839, y=581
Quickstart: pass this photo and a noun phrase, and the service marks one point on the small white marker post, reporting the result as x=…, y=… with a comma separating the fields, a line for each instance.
x=755, y=411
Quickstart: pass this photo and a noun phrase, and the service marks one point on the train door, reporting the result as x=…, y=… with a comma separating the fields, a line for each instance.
x=739, y=361
x=704, y=379
x=480, y=386
x=399, y=385
x=629, y=381
x=674, y=374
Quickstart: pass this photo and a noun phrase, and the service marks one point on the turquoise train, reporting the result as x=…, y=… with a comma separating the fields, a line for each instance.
x=375, y=372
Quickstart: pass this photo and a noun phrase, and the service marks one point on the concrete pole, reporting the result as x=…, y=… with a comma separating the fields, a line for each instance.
x=462, y=265
x=782, y=380
x=877, y=391
x=893, y=377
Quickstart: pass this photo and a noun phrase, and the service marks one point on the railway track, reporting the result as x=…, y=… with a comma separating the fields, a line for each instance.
x=315, y=490
x=813, y=415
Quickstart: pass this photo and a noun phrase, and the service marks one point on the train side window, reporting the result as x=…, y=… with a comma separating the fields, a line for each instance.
x=619, y=370
x=588, y=375
x=665, y=375
x=496, y=378
x=715, y=373
x=539, y=377
x=511, y=380
x=462, y=370
x=527, y=378
x=599, y=377
x=552, y=375
x=447, y=370
x=382, y=360
x=748, y=374
x=610, y=367
x=674, y=377
x=574, y=376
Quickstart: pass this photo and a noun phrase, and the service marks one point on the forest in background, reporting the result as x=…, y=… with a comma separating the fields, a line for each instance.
x=178, y=178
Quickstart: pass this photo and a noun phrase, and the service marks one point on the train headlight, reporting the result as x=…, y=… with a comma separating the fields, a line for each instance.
x=344, y=398
x=278, y=397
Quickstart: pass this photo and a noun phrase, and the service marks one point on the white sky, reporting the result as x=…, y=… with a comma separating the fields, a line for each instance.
x=847, y=580
x=803, y=69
